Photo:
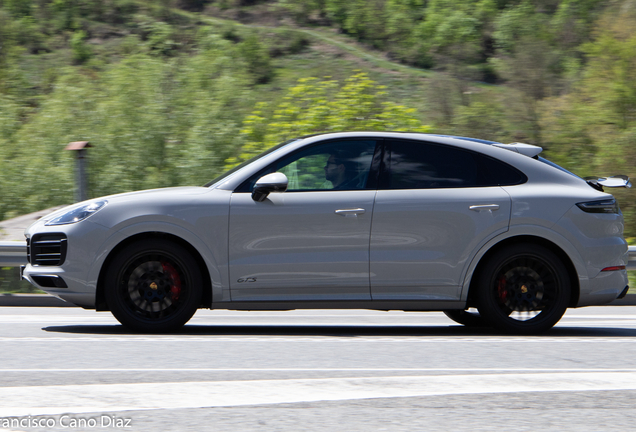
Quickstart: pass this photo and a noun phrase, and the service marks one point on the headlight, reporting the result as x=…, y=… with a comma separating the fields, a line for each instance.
x=77, y=214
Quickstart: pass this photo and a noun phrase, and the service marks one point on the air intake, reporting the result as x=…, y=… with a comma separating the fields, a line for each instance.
x=47, y=249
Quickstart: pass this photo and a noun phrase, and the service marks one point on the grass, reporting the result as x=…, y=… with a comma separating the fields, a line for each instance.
x=10, y=282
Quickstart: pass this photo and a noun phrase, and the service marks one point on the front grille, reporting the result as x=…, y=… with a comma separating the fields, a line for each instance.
x=47, y=249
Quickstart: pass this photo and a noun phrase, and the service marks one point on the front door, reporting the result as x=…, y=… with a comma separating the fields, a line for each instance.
x=312, y=241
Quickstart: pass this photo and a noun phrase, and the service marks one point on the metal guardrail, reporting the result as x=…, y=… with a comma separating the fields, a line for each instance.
x=13, y=254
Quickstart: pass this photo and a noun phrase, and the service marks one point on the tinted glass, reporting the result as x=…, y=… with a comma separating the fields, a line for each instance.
x=419, y=165
x=494, y=172
x=334, y=165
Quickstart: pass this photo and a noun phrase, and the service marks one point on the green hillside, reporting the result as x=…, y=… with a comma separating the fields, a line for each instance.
x=172, y=92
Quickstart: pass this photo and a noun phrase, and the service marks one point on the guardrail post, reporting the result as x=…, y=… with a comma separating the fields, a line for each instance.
x=81, y=169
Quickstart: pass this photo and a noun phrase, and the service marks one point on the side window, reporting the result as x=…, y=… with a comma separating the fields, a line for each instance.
x=421, y=165
x=334, y=165
x=497, y=173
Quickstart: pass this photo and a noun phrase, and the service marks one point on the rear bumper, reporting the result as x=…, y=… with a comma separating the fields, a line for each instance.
x=604, y=288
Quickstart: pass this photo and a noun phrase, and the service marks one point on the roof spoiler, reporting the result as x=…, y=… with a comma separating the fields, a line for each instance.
x=617, y=181
x=525, y=149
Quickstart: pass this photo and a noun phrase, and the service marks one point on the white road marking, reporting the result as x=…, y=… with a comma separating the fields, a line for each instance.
x=492, y=370
x=100, y=398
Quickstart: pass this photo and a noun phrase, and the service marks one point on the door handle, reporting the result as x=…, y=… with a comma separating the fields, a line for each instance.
x=350, y=212
x=484, y=207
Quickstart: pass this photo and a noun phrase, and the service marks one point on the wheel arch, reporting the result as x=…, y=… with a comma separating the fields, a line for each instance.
x=552, y=247
x=100, y=299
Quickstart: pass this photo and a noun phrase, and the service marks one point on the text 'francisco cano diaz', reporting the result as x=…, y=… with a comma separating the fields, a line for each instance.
x=66, y=421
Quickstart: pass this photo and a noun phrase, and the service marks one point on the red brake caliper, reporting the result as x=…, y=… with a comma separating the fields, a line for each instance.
x=175, y=287
x=501, y=289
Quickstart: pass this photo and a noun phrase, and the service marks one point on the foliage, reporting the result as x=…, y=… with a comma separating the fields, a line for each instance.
x=593, y=128
x=81, y=51
x=481, y=119
x=10, y=282
x=159, y=38
x=257, y=58
x=146, y=118
x=443, y=34
x=315, y=105
x=163, y=96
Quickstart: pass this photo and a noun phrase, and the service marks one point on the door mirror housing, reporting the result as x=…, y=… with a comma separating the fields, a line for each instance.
x=274, y=182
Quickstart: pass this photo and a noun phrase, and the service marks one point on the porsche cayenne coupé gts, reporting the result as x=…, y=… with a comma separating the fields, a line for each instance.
x=366, y=220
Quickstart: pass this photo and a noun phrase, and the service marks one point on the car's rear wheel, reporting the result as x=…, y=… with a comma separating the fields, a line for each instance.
x=523, y=289
x=466, y=318
x=153, y=286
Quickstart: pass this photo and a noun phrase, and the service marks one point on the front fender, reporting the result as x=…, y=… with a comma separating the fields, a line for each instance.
x=213, y=258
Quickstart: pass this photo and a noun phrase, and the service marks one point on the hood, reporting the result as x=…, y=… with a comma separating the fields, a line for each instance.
x=161, y=194
x=155, y=193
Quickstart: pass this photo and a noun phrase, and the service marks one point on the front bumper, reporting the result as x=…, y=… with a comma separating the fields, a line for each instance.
x=75, y=279
x=76, y=291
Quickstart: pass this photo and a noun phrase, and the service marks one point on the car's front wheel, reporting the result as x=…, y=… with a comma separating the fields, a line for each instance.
x=153, y=286
x=523, y=289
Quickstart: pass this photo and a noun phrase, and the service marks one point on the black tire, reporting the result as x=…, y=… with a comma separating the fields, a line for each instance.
x=523, y=289
x=466, y=318
x=153, y=286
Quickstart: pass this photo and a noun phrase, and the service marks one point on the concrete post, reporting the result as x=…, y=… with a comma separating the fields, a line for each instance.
x=81, y=169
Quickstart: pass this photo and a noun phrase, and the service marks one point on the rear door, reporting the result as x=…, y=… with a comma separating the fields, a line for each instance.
x=435, y=207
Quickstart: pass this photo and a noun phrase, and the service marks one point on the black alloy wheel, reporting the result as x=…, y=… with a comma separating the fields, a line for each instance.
x=523, y=289
x=153, y=286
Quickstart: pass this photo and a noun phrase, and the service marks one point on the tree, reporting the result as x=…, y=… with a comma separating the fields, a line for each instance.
x=403, y=17
x=593, y=129
x=255, y=55
x=81, y=51
x=315, y=105
x=481, y=119
x=152, y=121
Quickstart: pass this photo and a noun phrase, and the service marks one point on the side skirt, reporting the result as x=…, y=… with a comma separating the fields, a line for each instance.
x=403, y=305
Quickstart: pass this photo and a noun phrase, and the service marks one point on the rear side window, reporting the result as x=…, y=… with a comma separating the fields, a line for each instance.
x=497, y=173
x=421, y=165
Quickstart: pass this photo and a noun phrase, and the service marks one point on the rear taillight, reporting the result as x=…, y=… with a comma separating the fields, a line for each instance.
x=602, y=206
x=614, y=268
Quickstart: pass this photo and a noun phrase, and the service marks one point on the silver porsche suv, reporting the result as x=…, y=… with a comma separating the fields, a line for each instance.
x=365, y=220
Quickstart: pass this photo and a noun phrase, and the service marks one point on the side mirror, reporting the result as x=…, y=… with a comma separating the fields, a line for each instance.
x=274, y=182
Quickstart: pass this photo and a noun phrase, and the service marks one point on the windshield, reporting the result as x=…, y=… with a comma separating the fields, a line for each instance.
x=249, y=161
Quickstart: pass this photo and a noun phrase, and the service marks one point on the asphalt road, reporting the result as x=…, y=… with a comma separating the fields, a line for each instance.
x=67, y=369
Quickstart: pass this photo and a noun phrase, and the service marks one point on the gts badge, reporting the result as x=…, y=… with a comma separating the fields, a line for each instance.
x=249, y=279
